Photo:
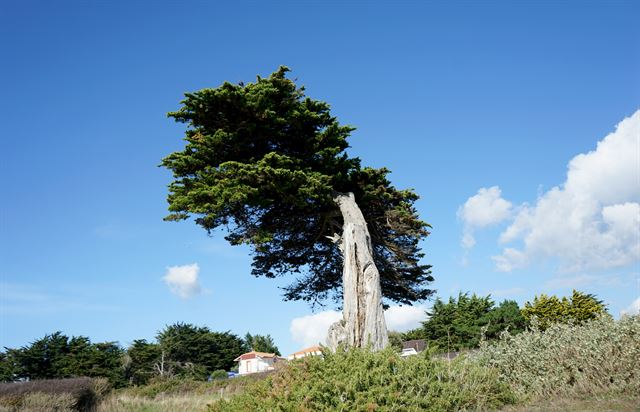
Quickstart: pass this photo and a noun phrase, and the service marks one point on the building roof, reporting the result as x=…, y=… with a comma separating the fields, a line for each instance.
x=418, y=344
x=311, y=349
x=253, y=354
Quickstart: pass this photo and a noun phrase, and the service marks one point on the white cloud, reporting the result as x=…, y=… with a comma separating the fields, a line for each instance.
x=312, y=329
x=484, y=209
x=183, y=280
x=510, y=259
x=592, y=221
x=633, y=309
x=404, y=318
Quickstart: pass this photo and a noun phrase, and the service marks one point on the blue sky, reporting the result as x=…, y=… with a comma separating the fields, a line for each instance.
x=480, y=107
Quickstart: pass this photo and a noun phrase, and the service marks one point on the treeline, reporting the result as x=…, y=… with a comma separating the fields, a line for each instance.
x=186, y=351
x=180, y=350
x=462, y=322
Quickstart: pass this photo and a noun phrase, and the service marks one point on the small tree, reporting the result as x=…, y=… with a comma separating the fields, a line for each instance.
x=580, y=307
x=269, y=164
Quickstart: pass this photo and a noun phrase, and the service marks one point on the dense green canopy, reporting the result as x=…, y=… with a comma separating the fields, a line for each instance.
x=265, y=161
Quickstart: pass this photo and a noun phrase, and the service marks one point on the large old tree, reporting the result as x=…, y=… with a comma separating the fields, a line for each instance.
x=268, y=164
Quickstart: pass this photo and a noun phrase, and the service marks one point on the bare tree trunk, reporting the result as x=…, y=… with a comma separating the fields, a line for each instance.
x=362, y=321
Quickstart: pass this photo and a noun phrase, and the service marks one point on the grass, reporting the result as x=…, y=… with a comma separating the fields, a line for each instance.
x=169, y=395
x=77, y=394
x=163, y=403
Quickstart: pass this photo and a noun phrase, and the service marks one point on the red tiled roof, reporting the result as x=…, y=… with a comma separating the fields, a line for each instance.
x=253, y=354
x=311, y=349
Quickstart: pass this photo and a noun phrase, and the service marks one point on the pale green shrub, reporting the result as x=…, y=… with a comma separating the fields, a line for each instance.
x=602, y=355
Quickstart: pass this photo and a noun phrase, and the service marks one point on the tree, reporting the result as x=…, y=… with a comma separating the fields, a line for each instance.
x=142, y=358
x=459, y=323
x=260, y=343
x=269, y=164
x=58, y=356
x=196, y=351
x=7, y=366
x=580, y=308
x=506, y=316
x=44, y=358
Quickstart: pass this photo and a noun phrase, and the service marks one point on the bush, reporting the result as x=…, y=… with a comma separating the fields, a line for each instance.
x=160, y=386
x=579, y=308
x=78, y=394
x=218, y=374
x=359, y=380
x=600, y=356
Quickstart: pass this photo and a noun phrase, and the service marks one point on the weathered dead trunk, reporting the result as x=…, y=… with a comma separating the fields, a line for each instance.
x=362, y=321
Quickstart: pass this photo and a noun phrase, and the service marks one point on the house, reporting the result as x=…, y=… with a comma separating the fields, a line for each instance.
x=303, y=353
x=252, y=362
x=413, y=347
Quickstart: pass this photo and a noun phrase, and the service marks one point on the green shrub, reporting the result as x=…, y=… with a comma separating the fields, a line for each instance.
x=218, y=374
x=359, y=380
x=599, y=356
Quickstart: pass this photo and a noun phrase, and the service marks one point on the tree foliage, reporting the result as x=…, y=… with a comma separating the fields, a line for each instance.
x=578, y=308
x=7, y=366
x=261, y=343
x=265, y=161
x=142, y=361
x=58, y=356
x=460, y=323
x=195, y=351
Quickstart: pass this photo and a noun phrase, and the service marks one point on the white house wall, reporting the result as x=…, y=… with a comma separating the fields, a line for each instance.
x=255, y=365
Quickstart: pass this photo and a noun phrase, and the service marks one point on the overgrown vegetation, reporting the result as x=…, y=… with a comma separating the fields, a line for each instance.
x=170, y=395
x=598, y=359
x=80, y=394
x=600, y=356
x=359, y=380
